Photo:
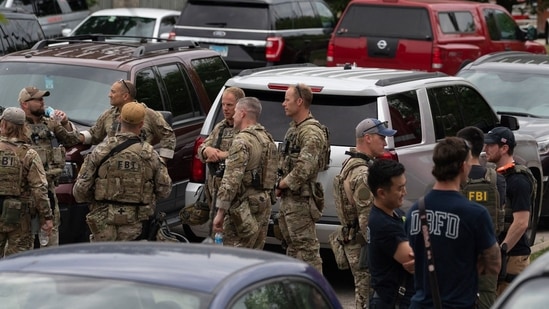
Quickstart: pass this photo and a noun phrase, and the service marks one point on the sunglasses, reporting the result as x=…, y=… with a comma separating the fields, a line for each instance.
x=384, y=123
x=125, y=85
x=298, y=91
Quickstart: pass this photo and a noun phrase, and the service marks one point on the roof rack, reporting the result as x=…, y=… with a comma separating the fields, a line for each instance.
x=408, y=78
x=170, y=45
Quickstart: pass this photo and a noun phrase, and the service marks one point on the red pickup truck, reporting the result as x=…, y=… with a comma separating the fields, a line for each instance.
x=428, y=35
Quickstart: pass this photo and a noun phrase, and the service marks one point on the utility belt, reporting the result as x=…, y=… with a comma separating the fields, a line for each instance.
x=116, y=203
x=125, y=213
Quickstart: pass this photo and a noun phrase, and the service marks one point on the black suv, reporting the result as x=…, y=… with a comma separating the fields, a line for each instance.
x=18, y=31
x=257, y=33
x=178, y=77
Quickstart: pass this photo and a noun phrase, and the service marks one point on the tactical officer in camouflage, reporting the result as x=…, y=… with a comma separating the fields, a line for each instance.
x=48, y=135
x=122, y=179
x=215, y=149
x=155, y=126
x=353, y=200
x=302, y=157
x=23, y=185
x=244, y=197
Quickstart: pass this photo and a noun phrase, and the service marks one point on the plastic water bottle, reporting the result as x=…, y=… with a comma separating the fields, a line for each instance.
x=218, y=238
x=43, y=238
x=50, y=112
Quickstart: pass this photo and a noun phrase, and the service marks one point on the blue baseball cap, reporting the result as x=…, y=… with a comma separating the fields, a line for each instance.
x=373, y=126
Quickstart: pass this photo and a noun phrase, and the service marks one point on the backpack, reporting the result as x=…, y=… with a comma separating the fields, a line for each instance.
x=485, y=192
x=324, y=160
x=11, y=169
x=340, y=196
x=268, y=165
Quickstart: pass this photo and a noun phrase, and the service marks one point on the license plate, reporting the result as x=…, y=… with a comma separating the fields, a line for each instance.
x=222, y=50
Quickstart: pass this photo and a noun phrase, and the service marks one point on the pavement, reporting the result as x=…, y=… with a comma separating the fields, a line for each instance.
x=541, y=242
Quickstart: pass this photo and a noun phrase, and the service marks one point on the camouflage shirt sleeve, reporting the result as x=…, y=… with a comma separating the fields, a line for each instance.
x=162, y=180
x=362, y=195
x=210, y=140
x=157, y=130
x=235, y=166
x=305, y=169
x=38, y=183
x=99, y=130
x=66, y=138
x=83, y=187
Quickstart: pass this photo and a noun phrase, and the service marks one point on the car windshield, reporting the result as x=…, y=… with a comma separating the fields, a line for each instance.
x=81, y=92
x=226, y=15
x=26, y=291
x=521, y=94
x=117, y=25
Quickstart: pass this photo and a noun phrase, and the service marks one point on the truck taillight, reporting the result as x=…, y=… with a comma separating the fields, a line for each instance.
x=389, y=155
x=437, y=59
x=330, y=55
x=273, y=49
x=171, y=35
x=198, y=169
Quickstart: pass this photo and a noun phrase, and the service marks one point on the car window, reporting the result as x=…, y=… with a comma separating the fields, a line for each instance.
x=500, y=25
x=405, y=117
x=307, y=19
x=456, y=22
x=339, y=113
x=282, y=294
x=78, y=5
x=225, y=15
x=476, y=111
x=166, y=24
x=181, y=96
x=18, y=34
x=147, y=89
x=326, y=16
x=284, y=15
x=119, y=25
x=379, y=21
x=46, y=7
x=213, y=73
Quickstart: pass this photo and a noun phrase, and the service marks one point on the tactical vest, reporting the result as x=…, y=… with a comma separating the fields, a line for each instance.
x=344, y=207
x=485, y=192
x=52, y=154
x=519, y=168
x=11, y=168
x=126, y=177
x=264, y=176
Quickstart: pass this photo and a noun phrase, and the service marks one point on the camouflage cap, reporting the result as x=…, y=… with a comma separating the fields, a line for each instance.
x=14, y=115
x=132, y=113
x=29, y=93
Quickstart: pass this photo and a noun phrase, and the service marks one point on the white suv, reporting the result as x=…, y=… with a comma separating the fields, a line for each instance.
x=422, y=107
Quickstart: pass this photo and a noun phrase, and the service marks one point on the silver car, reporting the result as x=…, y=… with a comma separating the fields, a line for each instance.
x=422, y=107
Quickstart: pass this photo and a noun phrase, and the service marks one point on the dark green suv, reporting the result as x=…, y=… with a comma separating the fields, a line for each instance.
x=178, y=77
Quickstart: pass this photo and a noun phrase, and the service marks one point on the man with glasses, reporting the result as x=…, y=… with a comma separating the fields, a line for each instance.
x=303, y=155
x=353, y=200
x=461, y=239
x=48, y=135
x=155, y=126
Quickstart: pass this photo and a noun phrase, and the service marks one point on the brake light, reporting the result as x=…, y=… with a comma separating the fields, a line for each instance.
x=437, y=59
x=273, y=49
x=389, y=155
x=198, y=169
x=171, y=35
x=330, y=55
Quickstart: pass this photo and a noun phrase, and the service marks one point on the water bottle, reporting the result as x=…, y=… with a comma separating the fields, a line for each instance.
x=50, y=112
x=43, y=238
x=218, y=238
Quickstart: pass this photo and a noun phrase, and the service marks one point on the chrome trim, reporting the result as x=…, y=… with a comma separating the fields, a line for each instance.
x=255, y=43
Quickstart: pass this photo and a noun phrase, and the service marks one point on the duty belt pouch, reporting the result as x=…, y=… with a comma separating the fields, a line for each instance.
x=12, y=210
x=121, y=215
x=363, y=257
x=318, y=196
x=58, y=156
x=197, y=213
x=339, y=251
x=244, y=222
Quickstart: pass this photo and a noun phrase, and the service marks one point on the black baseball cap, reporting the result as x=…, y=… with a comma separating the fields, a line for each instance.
x=500, y=135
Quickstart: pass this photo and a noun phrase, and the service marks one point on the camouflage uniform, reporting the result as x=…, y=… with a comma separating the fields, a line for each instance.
x=221, y=138
x=123, y=190
x=353, y=215
x=49, y=139
x=31, y=190
x=154, y=129
x=246, y=200
x=301, y=152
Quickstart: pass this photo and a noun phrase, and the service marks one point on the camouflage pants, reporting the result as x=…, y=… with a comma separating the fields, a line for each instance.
x=103, y=229
x=260, y=209
x=54, y=235
x=361, y=276
x=299, y=230
x=14, y=238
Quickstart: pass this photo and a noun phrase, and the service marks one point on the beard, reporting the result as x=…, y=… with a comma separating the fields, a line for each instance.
x=38, y=113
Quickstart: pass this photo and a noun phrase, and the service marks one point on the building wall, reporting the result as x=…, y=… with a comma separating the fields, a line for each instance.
x=161, y=4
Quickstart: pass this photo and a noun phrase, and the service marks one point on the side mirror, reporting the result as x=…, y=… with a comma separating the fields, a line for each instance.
x=167, y=116
x=531, y=33
x=510, y=122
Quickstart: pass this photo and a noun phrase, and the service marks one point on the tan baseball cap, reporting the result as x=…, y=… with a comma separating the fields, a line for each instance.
x=14, y=115
x=31, y=92
x=132, y=113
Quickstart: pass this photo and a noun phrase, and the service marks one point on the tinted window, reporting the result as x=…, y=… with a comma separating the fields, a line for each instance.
x=225, y=15
x=405, y=118
x=476, y=111
x=78, y=5
x=307, y=18
x=119, y=25
x=167, y=23
x=284, y=15
x=456, y=22
x=18, y=34
x=46, y=7
x=381, y=21
x=326, y=16
x=213, y=73
x=339, y=113
x=501, y=26
x=183, y=101
x=148, y=90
